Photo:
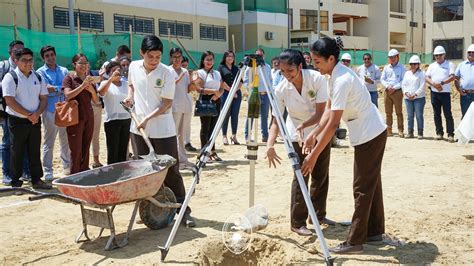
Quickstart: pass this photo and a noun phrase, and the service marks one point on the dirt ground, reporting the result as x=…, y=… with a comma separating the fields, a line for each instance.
x=428, y=196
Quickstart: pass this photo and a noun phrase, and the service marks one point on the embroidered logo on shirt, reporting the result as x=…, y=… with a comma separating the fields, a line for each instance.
x=159, y=83
x=311, y=94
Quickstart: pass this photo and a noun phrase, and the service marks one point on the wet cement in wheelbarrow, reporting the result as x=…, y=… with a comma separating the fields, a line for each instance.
x=107, y=175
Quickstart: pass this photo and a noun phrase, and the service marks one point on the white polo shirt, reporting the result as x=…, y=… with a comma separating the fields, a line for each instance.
x=115, y=94
x=182, y=102
x=301, y=106
x=348, y=93
x=440, y=72
x=150, y=89
x=26, y=93
x=212, y=80
x=373, y=72
x=414, y=84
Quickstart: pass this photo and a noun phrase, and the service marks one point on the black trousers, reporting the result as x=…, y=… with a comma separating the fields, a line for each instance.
x=168, y=146
x=318, y=189
x=117, y=135
x=24, y=137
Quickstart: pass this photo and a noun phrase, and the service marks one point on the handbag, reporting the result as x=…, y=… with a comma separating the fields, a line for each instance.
x=205, y=108
x=67, y=112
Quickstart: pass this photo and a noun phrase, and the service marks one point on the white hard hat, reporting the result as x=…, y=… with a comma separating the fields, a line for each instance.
x=470, y=48
x=439, y=50
x=346, y=56
x=414, y=59
x=393, y=52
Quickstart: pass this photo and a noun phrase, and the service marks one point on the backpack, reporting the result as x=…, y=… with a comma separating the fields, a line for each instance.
x=3, y=105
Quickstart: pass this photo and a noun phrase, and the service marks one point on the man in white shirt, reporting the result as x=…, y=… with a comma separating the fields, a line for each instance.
x=465, y=80
x=26, y=97
x=370, y=74
x=151, y=90
x=439, y=75
x=392, y=77
x=122, y=51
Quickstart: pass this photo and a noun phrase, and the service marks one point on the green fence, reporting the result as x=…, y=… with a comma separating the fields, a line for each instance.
x=101, y=47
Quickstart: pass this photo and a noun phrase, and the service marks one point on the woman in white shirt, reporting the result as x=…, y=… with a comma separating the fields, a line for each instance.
x=413, y=87
x=350, y=101
x=116, y=120
x=304, y=94
x=209, y=84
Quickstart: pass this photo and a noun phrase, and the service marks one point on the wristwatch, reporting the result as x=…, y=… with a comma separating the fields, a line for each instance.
x=442, y=82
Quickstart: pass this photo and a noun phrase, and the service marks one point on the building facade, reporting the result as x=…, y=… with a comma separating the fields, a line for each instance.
x=199, y=24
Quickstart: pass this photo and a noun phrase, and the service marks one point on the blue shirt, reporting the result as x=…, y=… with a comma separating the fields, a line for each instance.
x=393, y=76
x=465, y=73
x=53, y=78
x=267, y=71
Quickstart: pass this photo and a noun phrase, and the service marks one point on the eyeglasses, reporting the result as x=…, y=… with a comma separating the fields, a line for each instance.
x=470, y=52
x=346, y=61
x=412, y=64
x=366, y=58
x=177, y=57
x=438, y=55
x=26, y=61
x=82, y=63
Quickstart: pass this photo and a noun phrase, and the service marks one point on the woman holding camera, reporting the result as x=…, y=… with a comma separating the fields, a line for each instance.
x=80, y=87
x=117, y=119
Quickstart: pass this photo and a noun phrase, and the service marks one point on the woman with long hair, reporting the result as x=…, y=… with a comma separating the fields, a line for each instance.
x=229, y=71
x=208, y=84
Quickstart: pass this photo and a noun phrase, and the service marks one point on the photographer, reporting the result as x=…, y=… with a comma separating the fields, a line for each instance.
x=116, y=120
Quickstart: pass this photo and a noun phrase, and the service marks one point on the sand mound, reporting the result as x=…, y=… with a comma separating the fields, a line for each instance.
x=261, y=251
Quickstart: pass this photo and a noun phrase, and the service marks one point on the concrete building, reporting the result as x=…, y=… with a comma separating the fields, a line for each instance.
x=363, y=24
x=450, y=23
x=200, y=24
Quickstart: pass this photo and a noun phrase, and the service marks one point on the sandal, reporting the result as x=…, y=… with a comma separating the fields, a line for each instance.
x=215, y=157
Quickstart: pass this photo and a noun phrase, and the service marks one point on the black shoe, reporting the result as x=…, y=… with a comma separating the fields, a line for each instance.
x=41, y=185
x=188, y=220
x=189, y=147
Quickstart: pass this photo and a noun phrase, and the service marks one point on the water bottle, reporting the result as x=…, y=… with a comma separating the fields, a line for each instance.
x=254, y=103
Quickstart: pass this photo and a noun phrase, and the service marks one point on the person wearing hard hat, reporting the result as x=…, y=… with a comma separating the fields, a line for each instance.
x=346, y=59
x=439, y=76
x=392, y=77
x=413, y=87
x=464, y=81
x=371, y=74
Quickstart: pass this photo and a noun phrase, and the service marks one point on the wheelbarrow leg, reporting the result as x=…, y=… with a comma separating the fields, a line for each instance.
x=112, y=243
x=84, y=228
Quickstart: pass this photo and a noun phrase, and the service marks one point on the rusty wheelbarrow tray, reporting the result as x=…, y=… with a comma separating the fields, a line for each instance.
x=98, y=191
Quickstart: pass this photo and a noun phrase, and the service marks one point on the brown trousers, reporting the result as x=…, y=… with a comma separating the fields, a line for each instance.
x=368, y=218
x=318, y=189
x=168, y=146
x=396, y=98
x=79, y=138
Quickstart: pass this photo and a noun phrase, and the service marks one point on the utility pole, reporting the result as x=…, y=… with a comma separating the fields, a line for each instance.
x=319, y=20
x=71, y=16
x=242, y=22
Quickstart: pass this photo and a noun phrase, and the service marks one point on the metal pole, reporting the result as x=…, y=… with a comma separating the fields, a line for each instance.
x=28, y=13
x=15, y=31
x=289, y=23
x=318, y=34
x=71, y=16
x=43, y=16
x=242, y=22
x=130, y=32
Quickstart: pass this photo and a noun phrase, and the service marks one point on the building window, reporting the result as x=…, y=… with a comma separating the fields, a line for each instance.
x=448, y=10
x=212, y=32
x=139, y=25
x=309, y=20
x=290, y=17
x=454, y=47
x=89, y=20
x=177, y=28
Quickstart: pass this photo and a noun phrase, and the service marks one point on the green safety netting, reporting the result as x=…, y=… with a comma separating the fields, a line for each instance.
x=271, y=6
x=101, y=47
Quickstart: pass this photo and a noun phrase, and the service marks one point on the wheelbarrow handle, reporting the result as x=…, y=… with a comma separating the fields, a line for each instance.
x=25, y=190
x=56, y=196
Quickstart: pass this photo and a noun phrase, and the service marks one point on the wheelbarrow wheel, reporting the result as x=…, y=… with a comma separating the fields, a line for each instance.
x=155, y=217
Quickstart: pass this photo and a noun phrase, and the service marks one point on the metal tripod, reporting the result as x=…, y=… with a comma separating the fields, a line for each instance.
x=293, y=156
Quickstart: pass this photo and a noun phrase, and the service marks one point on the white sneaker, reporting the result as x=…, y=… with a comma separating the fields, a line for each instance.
x=67, y=171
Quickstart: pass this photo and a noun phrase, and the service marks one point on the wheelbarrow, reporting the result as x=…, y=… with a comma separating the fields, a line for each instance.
x=100, y=190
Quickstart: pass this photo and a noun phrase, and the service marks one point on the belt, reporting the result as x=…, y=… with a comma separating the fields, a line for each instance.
x=262, y=92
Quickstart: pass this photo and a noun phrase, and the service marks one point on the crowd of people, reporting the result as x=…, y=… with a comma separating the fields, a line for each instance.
x=316, y=90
